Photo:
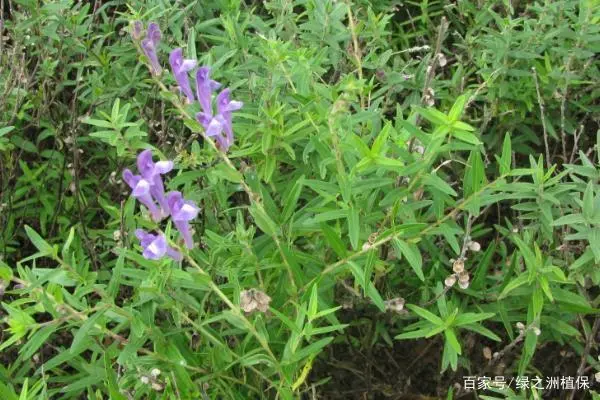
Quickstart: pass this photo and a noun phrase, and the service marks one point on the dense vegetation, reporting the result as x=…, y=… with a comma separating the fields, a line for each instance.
x=377, y=199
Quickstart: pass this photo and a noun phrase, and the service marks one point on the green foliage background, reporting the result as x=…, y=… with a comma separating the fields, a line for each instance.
x=377, y=141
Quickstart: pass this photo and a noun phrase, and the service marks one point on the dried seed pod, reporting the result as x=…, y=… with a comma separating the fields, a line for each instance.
x=487, y=353
x=474, y=246
x=458, y=266
x=520, y=326
x=463, y=285
x=442, y=61
x=395, y=305
x=253, y=299
x=463, y=277
x=450, y=280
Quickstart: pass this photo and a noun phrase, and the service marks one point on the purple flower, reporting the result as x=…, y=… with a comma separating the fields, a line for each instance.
x=152, y=172
x=149, y=45
x=215, y=125
x=182, y=211
x=155, y=246
x=141, y=191
x=224, y=107
x=180, y=68
x=136, y=29
x=204, y=89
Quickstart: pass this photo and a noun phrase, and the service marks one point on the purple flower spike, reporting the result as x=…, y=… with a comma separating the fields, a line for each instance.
x=141, y=191
x=205, y=88
x=152, y=172
x=180, y=68
x=155, y=246
x=225, y=107
x=182, y=211
x=149, y=45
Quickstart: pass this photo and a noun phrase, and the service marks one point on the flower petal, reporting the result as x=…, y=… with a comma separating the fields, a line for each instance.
x=162, y=167
x=188, y=211
x=129, y=178
x=141, y=189
x=144, y=162
x=214, y=128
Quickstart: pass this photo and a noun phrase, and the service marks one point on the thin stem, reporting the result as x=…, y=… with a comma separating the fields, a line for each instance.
x=543, y=117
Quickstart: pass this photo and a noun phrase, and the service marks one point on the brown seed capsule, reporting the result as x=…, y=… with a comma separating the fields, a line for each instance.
x=395, y=305
x=458, y=266
x=487, y=353
x=520, y=326
x=253, y=299
x=450, y=280
x=442, y=60
x=474, y=246
x=463, y=277
x=463, y=285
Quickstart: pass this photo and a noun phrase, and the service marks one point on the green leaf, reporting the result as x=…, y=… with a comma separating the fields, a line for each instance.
x=420, y=333
x=434, y=116
x=506, y=158
x=470, y=318
x=458, y=107
x=67, y=245
x=98, y=122
x=313, y=303
x=311, y=349
x=466, y=137
x=353, y=227
x=429, y=316
x=43, y=247
x=512, y=285
x=334, y=241
x=412, y=254
x=594, y=242
x=291, y=199
x=452, y=340
x=263, y=221
x=375, y=297
x=224, y=171
x=80, y=338
x=37, y=340
x=439, y=184
x=570, y=219
x=588, y=202
x=482, y=331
